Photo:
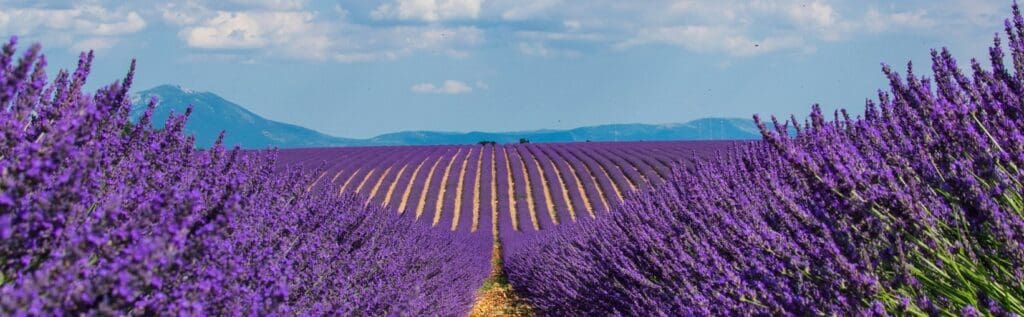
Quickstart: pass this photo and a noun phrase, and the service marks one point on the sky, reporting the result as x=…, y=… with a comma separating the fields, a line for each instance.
x=357, y=68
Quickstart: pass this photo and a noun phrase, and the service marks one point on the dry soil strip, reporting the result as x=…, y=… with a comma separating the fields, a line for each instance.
x=391, y=188
x=593, y=180
x=476, y=191
x=348, y=180
x=310, y=187
x=408, y=187
x=365, y=178
x=511, y=192
x=611, y=180
x=376, y=187
x=494, y=192
x=426, y=185
x=546, y=190
x=565, y=188
x=444, y=187
x=530, y=203
x=583, y=192
x=457, y=211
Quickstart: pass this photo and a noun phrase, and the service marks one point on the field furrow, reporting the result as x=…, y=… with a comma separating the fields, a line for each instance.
x=632, y=178
x=558, y=201
x=524, y=189
x=506, y=188
x=607, y=176
x=537, y=172
x=510, y=201
x=475, y=185
x=315, y=181
x=442, y=188
x=422, y=201
x=573, y=191
x=489, y=210
x=376, y=186
x=349, y=180
x=591, y=184
x=366, y=177
x=409, y=185
x=457, y=208
x=393, y=184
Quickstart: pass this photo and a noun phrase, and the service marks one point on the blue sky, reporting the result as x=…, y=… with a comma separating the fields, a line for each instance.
x=361, y=68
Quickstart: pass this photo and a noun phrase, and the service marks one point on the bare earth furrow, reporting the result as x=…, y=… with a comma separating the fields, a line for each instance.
x=408, y=187
x=546, y=190
x=457, y=209
x=422, y=202
x=442, y=187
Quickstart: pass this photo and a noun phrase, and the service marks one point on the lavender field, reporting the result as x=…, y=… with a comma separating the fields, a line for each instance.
x=520, y=188
x=914, y=207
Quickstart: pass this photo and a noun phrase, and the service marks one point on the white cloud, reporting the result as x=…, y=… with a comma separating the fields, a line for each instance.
x=312, y=35
x=340, y=11
x=877, y=21
x=428, y=10
x=572, y=25
x=227, y=30
x=526, y=9
x=746, y=28
x=561, y=36
x=976, y=13
x=712, y=39
x=94, y=43
x=449, y=87
x=273, y=4
x=89, y=19
x=312, y=30
x=362, y=57
x=184, y=13
x=290, y=33
x=815, y=13
x=79, y=27
x=369, y=44
x=539, y=49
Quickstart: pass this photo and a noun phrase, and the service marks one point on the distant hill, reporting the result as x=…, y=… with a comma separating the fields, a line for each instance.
x=211, y=114
x=702, y=129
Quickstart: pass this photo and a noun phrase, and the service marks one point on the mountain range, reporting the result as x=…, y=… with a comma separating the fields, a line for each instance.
x=211, y=114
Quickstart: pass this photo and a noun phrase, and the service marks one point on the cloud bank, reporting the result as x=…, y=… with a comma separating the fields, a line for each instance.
x=448, y=87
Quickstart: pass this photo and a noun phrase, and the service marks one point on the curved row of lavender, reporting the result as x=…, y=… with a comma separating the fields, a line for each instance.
x=521, y=187
x=99, y=216
x=914, y=208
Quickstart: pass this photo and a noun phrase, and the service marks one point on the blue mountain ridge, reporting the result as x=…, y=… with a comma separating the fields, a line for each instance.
x=211, y=114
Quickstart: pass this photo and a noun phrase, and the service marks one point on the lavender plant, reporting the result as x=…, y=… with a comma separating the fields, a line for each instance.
x=102, y=216
x=913, y=208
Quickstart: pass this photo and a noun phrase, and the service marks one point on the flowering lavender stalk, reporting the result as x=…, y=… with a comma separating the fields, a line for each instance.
x=915, y=207
x=102, y=216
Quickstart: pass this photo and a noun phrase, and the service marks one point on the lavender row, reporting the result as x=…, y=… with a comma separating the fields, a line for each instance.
x=563, y=187
x=103, y=216
x=914, y=208
x=550, y=183
x=468, y=193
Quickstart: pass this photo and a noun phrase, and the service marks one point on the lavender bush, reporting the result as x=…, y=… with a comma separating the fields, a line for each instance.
x=914, y=208
x=101, y=216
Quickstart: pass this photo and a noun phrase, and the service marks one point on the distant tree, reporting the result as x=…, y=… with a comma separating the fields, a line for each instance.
x=487, y=142
x=524, y=140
